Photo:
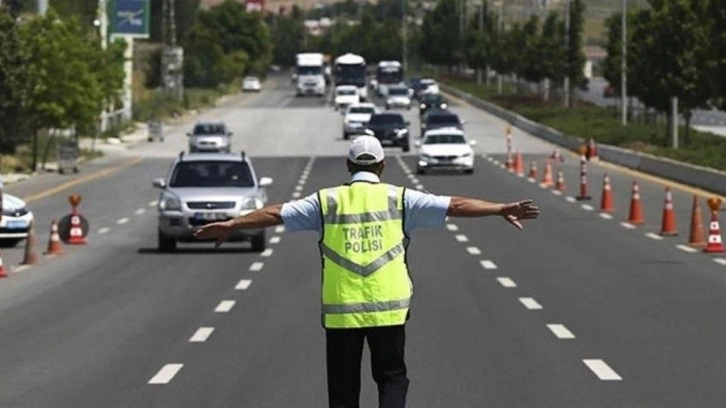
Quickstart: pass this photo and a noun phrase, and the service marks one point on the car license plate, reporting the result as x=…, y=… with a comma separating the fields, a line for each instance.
x=16, y=224
x=210, y=216
x=386, y=142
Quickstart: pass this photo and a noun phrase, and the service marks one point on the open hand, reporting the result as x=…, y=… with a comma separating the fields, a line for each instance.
x=522, y=210
x=217, y=230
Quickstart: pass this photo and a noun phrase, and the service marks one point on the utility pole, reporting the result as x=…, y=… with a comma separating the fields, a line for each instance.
x=623, y=64
x=42, y=7
x=481, y=28
x=172, y=55
x=500, y=31
x=567, y=52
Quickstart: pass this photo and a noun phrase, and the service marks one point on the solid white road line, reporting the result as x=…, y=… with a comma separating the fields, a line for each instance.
x=602, y=370
x=570, y=199
x=587, y=207
x=201, y=335
x=473, y=250
x=296, y=194
x=243, y=284
x=122, y=221
x=530, y=303
x=627, y=225
x=279, y=229
x=487, y=264
x=153, y=203
x=140, y=211
x=103, y=230
x=275, y=240
x=720, y=261
x=462, y=238
x=560, y=331
x=257, y=266
x=686, y=248
x=166, y=374
x=506, y=282
x=653, y=235
x=452, y=227
x=606, y=216
x=224, y=306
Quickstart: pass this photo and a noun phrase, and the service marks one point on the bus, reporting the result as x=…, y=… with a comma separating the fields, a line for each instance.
x=388, y=73
x=350, y=69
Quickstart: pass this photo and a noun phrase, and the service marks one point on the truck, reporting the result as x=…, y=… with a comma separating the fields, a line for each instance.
x=310, y=75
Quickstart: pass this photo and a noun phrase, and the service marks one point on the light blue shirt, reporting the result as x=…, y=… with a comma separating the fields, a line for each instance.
x=421, y=210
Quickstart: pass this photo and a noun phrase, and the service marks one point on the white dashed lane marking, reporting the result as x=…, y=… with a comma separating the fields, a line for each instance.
x=224, y=306
x=279, y=229
x=414, y=180
x=243, y=284
x=560, y=331
x=720, y=261
x=570, y=199
x=487, y=264
x=557, y=192
x=473, y=250
x=122, y=221
x=686, y=248
x=587, y=207
x=606, y=216
x=140, y=211
x=452, y=227
x=627, y=225
x=506, y=282
x=298, y=188
x=153, y=203
x=20, y=268
x=166, y=374
x=602, y=370
x=530, y=303
x=201, y=335
x=462, y=238
x=103, y=230
x=419, y=187
x=275, y=240
x=654, y=236
x=266, y=253
x=257, y=266
x=296, y=194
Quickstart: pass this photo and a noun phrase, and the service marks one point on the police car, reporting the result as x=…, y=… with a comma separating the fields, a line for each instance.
x=15, y=222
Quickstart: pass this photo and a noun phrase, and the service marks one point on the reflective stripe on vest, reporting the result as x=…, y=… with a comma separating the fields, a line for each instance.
x=365, y=279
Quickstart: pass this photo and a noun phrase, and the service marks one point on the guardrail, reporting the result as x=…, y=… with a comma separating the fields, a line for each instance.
x=697, y=176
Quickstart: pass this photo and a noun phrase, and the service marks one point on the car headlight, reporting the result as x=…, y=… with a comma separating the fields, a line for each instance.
x=466, y=155
x=169, y=202
x=252, y=203
x=425, y=156
x=402, y=132
x=444, y=106
x=422, y=106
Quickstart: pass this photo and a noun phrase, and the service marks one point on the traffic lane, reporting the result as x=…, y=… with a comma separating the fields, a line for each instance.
x=114, y=307
x=624, y=297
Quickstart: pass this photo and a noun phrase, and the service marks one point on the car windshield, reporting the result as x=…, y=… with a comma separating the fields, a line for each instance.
x=309, y=70
x=386, y=119
x=398, y=91
x=427, y=82
x=212, y=174
x=443, y=119
x=346, y=91
x=251, y=79
x=209, y=129
x=444, y=139
x=432, y=98
x=362, y=109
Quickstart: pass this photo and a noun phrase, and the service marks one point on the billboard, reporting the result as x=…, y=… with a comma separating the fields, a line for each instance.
x=130, y=18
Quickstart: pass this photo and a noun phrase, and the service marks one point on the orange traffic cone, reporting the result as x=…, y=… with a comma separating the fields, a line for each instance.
x=560, y=185
x=519, y=164
x=583, y=180
x=636, y=212
x=76, y=233
x=533, y=170
x=606, y=202
x=668, y=223
x=54, y=243
x=556, y=155
x=30, y=257
x=547, y=180
x=3, y=273
x=714, y=234
x=695, y=238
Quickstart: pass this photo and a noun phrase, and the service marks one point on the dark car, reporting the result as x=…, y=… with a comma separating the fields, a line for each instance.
x=431, y=101
x=390, y=129
x=435, y=119
x=415, y=85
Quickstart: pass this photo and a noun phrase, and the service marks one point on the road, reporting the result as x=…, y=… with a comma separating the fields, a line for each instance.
x=713, y=121
x=575, y=311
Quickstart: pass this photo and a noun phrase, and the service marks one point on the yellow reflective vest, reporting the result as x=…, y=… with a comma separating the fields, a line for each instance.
x=365, y=278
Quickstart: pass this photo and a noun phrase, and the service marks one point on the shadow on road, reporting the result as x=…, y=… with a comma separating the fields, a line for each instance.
x=206, y=250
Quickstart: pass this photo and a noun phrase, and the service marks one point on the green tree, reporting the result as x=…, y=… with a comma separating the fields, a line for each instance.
x=441, y=39
x=13, y=76
x=574, y=57
x=288, y=37
x=552, y=50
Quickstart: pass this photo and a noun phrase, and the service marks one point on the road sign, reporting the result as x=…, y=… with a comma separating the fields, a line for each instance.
x=130, y=18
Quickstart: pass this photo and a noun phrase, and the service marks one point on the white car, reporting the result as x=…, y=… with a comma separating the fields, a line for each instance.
x=445, y=149
x=429, y=86
x=356, y=118
x=251, y=84
x=346, y=95
x=15, y=221
x=398, y=97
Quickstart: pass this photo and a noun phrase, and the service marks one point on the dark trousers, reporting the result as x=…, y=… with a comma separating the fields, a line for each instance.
x=344, y=350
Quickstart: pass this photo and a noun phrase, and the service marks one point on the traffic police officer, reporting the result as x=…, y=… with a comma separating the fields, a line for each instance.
x=364, y=227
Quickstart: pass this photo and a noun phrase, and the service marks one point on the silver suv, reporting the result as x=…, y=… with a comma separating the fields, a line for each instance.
x=210, y=137
x=202, y=188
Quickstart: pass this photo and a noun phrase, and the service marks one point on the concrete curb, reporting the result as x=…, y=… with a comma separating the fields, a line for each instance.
x=697, y=176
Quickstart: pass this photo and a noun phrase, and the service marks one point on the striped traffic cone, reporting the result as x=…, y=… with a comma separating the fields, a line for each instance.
x=668, y=223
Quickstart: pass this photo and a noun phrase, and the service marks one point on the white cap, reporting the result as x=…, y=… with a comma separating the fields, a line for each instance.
x=364, y=146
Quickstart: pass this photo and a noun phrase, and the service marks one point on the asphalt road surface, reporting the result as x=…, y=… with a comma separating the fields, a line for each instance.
x=578, y=310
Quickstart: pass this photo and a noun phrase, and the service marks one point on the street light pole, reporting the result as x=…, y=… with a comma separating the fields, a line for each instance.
x=567, y=49
x=623, y=64
x=404, y=30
